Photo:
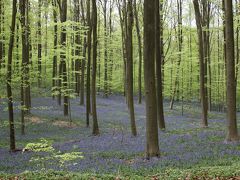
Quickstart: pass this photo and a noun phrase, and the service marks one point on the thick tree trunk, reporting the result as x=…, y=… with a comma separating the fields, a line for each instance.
x=152, y=145
x=231, y=83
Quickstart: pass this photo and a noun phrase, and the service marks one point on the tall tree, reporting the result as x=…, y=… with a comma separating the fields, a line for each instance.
x=25, y=55
x=89, y=45
x=152, y=145
x=202, y=55
x=231, y=83
x=84, y=57
x=104, y=5
x=1, y=33
x=139, y=37
x=77, y=37
x=158, y=58
x=94, y=69
x=39, y=33
x=129, y=48
x=180, y=43
x=9, y=77
x=54, y=73
x=63, y=63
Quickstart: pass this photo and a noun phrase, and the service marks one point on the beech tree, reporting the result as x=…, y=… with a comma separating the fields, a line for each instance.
x=9, y=77
x=202, y=64
x=152, y=146
x=63, y=65
x=158, y=56
x=231, y=83
x=94, y=70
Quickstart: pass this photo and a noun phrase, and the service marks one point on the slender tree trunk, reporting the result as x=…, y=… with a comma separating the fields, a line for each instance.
x=237, y=2
x=82, y=92
x=54, y=74
x=63, y=14
x=111, y=49
x=77, y=48
x=180, y=43
x=201, y=63
x=152, y=145
x=139, y=52
x=158, y=58
x=105, y=49
x=89, y=39
x=9, y=77
x=129, y=48
x=2, y=32
x=121, y=17
x=94, y=70
x=39, y=33
x=1, y=35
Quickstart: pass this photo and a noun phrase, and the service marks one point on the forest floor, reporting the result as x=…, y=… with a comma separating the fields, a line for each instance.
x=187, y=150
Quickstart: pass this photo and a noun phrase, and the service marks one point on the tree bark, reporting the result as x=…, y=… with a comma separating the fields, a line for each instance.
x=9, y=77
x=158, y=58
x=63, y=15
x=139, y=52
x=94, y=70
x=152, y=145
x=201, y=63
x=129, y=48
x=89, y=39
x=232, y=134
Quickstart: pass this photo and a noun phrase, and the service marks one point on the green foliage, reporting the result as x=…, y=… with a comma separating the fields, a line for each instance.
x=52, y=155
x=42, y=146
x=68, y=156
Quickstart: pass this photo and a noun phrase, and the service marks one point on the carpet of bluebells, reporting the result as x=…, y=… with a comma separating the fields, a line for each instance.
x=184, y=144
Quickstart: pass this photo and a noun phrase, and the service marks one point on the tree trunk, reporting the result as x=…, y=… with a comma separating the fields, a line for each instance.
x=201, y=63
x=39, y=33
x=105, y=49
x=63, y=15
x=83, y=60
x=54, y=74
x=158, y=58
x=180, y=43
x=94, y=70
x=89, y=39
x=129, y=48
x=139, y=52
x=231, y=83
x=152, y=145
x=9, y=77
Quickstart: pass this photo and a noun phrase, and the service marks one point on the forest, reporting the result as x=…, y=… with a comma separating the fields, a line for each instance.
x=120, y=89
